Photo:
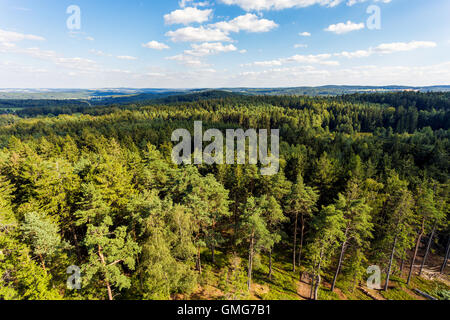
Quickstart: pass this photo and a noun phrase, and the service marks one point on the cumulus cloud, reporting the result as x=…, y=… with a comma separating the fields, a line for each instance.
x=388, y=48
x=304, y=34
x=188, y=15
x=155, y=45
x=258, y=5
x=191, y=58
x=220, y=31
x=209, y=48
x=200, y=34
x=341, y=28
x=187, y=60
x=248, y=22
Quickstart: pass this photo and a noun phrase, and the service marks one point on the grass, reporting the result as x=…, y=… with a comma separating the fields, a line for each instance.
x=284, y=282
x=397, y=294
x=325, y=294
x=434, y=288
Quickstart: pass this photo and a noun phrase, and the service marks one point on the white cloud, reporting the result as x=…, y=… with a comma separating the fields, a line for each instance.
x=200, y=34
x=11, y=36
x=249, y=5
x=155, y=45
x=304, y=34
x=355, y=54
x=360, y=75
x=183, y=3
x=191, y=58
x=188, y=15
x=300, y=45
x=388, y=48
x=90, y=39
x=248, y=22
x=322, y=59
x=341, y=28
x=209, y=48
x=353, y=2
x=99, y=53
x=187, y=60
x=126, y=58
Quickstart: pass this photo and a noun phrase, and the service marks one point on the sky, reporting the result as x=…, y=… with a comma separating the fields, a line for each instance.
x=223, y=43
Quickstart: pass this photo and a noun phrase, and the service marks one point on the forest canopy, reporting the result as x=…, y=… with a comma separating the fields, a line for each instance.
x=363, y=181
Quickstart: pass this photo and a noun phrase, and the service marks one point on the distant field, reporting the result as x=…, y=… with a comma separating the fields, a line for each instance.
x=94, y=94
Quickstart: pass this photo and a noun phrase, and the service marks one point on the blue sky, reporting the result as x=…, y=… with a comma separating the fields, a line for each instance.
x=223, y=43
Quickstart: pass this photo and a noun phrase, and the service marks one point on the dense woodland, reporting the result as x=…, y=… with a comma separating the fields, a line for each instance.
x=364, y=180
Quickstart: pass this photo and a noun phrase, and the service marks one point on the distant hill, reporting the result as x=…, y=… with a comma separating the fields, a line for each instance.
x=13, y=99
x=131, y=94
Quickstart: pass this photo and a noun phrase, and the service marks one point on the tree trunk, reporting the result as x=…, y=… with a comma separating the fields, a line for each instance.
x=386, y=286
x=250, y=262
x=419, y=238
x=302, y=234
x=102, y=259
x=42, y=263
x=313, y=279
x=338, y=269
x=318, y=280
x=213, y=250
x=295, y=241
x=444, y=264
x=316, y=288
x=430, y=241
x=317, y=277
x=270, y=265
x=199, y=261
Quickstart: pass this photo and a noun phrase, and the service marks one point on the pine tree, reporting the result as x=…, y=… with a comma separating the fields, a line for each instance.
x=300, y=203
x=358, y=226
x=42, y=235
x=328, y=232
x=398, y=210
x=254, y=231
x=109, y=251
x=273, y=215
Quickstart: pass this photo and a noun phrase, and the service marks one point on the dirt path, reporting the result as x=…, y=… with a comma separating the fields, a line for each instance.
x=303, y=290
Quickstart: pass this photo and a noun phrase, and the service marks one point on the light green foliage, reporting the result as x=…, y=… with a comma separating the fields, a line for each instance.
x=20, y=277
x=109, y=250
x=42, y=235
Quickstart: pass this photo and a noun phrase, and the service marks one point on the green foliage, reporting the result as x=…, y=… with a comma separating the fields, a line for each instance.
x=98, y=189
x=109, y=251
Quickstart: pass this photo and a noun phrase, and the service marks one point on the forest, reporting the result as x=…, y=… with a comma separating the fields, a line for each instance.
x=363, y=182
